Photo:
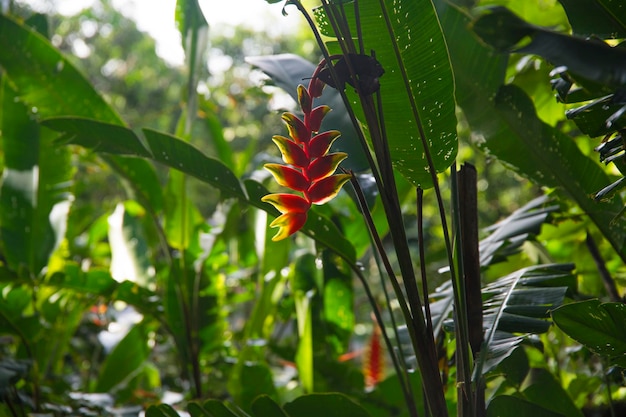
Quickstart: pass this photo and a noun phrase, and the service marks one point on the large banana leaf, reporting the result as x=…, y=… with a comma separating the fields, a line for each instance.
x=519, y=303
x=508, y=235
x=514, y=307
x=504, y=124
x=413, y=31
x=595, y=67
x=590, y=59
x=51, y=86
x=598, y=18
x=515, y=304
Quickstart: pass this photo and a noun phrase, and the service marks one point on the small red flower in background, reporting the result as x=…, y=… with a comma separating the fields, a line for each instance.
x=374, y=359
x=310, y=168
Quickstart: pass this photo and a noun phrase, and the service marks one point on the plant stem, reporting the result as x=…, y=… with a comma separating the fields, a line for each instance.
x=607, y=382
x=422, y=256
x=386, y=184
x=465, y=404
x=402, y=373
x=607, y=279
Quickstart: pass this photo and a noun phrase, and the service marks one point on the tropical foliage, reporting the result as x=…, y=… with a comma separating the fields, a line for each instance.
x=138, y=269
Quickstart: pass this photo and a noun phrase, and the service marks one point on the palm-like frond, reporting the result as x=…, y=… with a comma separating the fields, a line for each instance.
x=515, y=305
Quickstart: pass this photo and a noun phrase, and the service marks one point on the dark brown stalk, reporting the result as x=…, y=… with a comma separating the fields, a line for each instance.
x=422, y=255
x=468, y=205
x=468, y=214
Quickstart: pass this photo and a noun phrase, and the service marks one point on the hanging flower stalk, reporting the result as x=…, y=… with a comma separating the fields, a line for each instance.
x=309, y=168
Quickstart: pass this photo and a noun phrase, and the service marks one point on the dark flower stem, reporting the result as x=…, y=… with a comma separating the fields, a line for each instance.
x=402, y=374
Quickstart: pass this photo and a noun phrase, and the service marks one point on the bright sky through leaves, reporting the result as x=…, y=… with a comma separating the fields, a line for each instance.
x=157, y=17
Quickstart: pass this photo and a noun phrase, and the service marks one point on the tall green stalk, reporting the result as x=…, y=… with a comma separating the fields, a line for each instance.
x=195, y=36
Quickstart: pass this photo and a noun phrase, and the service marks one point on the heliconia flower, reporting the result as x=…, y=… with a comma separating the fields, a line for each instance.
x=310, y=168
x=325, y=190
x=374, y=359
x=314, y=119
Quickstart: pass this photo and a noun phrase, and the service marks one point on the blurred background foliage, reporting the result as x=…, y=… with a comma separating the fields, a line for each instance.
x=202, y=318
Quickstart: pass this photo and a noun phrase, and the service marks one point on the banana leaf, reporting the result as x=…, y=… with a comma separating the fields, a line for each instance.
x=417, y=88
x=48, y=83
x=516, y=305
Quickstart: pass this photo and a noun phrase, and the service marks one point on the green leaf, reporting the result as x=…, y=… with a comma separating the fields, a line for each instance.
x=183, y=220
x=502, y=406
x=304, y=287
x=507, y=236
x=98, y=136
x=218, y=409
x=590, y=59
x=161, y=410
x=95, y=281
x=195, y=36
x=599, y=326
x=176, y=299
x=529, y=300
x=45, y=79
x=556, y=161
x=196, y=410
x=125, y=359
x=338, y=299
x=593, y=117
x=143, y=180
x=264, y=406
x=35, y=195
x=271, y=286
x=507, y=127
x=516, y=303
x=15, y=300
x=224, y=151
x=555, y=158
x=161, y=147
x=601, y=18
x=515, y=368
x=544, y=390
x=145, y=301
x=51, y=86
x=263, y=384
x=182, y=156
x=507, y=304
x=414, y=31
x=188, y=17
x=327, y=405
